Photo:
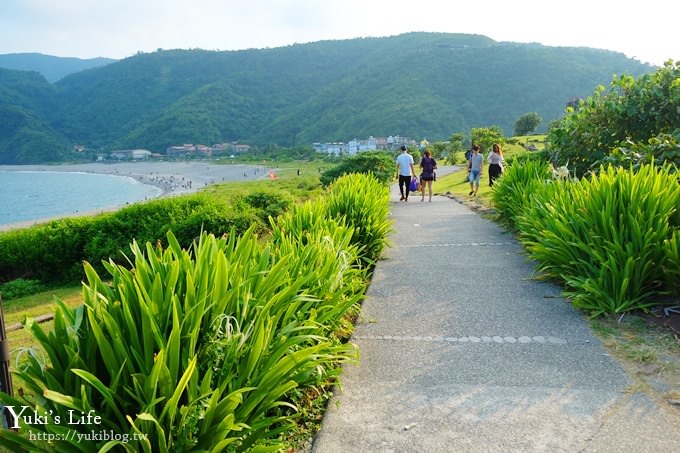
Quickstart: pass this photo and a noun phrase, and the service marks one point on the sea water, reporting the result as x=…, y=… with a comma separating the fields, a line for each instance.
x=37, y=195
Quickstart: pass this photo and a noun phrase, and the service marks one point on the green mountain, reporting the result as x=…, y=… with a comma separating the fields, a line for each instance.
x=51, y=67
x=420, y=85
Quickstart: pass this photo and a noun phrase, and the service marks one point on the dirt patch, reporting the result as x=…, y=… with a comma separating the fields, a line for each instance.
x=667, y=317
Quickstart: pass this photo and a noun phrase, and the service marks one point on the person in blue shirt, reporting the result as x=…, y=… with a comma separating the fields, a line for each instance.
x=476, y=166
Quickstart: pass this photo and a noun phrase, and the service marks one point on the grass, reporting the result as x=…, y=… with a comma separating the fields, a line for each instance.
x=33, y=306
x=20, y=340
x=457, y=186
x=537, y=140
x=303, y=187
x=649, y=353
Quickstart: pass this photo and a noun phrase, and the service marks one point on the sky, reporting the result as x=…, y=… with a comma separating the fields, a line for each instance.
x=647, y=31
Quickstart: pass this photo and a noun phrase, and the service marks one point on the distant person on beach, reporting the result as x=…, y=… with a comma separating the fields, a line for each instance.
x=476, y=166
x=406, y=171
x=429, y=165
x=495, y=163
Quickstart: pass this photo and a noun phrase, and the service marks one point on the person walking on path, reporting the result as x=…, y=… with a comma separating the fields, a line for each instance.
x=406, y=171
x=429, y=165
x=495, y=163
x=476, y=166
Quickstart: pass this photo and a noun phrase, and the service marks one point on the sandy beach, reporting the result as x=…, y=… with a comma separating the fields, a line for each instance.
x=173, y=178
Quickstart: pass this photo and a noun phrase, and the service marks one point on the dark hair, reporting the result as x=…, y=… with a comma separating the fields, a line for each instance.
x=403, y=147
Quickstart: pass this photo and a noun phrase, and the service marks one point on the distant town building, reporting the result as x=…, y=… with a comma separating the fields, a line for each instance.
x=130, y=154
x=395, y=142
x=189, y=149
x=335, y=148
x=239, y=149
x=355, y=146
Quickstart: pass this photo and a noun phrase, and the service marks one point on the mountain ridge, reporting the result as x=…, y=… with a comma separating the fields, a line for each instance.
x=422, y=85
x=51, y=67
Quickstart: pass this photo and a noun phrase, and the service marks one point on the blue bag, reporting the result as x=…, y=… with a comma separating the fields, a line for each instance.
x=414, y=184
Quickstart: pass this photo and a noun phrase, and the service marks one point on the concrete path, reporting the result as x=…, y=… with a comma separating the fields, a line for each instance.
x=462, y=351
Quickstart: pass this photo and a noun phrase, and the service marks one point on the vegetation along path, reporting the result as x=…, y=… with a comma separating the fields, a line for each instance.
x=462, y=350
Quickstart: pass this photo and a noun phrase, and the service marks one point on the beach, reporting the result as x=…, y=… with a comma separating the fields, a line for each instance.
x=173, y=178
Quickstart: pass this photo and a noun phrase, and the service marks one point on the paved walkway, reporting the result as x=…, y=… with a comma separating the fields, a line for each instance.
x=462, y=351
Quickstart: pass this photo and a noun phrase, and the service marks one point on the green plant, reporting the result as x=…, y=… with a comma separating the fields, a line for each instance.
x=521, y=182
x=323, y=259
x=268, y=203
x=380, y=164
x=663, y=149
x=605, y=237
x=20, y=287
x=627, y=112
x=190, y=350
x=363, y=203
x=671, y=267
x=54, y=252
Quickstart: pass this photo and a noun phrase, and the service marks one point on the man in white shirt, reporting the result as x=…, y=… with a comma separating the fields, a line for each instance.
x=406, y=170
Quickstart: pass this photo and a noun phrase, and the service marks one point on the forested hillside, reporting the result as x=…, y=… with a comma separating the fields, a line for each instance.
x=51, y=67
x=421, y=85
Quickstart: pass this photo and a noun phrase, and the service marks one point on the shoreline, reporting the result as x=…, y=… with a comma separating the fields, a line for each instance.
x=172, y=178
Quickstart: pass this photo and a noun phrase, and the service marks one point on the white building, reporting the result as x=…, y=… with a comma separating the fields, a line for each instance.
x=355, y=146
x=131, y=154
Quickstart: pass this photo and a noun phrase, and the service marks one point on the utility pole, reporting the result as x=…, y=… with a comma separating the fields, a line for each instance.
x=5, y=377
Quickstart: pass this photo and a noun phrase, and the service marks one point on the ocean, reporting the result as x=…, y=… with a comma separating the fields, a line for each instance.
x=36, y=195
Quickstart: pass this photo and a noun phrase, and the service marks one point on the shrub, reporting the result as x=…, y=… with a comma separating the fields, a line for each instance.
x=661, y=150
x=363, y=203
x=268, y=203
x=521, y=182
x=609, y=238
x=196, y=350
x=671, y=269
x=54, y=252
x=629, y=111
x=49, y=252
x=20, y=287
x=323, y=259
x=381, y=165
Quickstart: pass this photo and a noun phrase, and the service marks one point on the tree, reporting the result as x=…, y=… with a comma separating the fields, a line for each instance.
x=527, y=123
x=629, y=114
x=456, y=142
x=485, y=137
x=380, y=164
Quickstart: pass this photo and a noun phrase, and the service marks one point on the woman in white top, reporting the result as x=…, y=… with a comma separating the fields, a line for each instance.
x=495, y=163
